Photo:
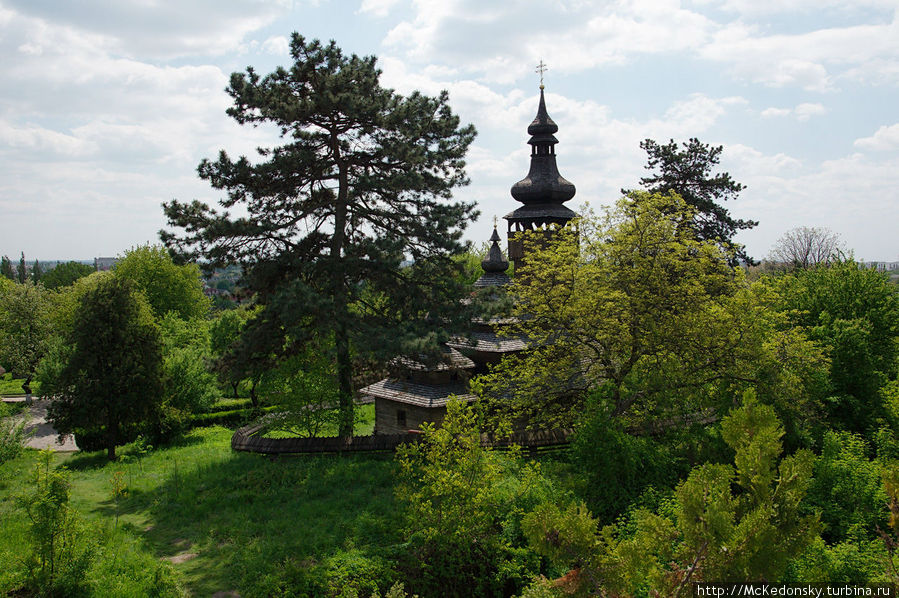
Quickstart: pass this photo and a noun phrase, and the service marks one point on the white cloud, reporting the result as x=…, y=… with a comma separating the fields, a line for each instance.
x=886, y=138
x=378, y=8
x=802, y=112
x=278, y=45
x=161, y=28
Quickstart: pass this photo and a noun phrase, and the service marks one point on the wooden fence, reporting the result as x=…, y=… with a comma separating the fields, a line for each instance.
x=249, y=439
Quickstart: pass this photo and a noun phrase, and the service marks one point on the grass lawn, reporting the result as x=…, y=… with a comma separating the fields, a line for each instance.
x=8, y=386
x=364, y=426
x=229, y=521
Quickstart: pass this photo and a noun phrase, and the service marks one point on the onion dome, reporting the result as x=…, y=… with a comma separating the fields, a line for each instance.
x=543, y=186
x=494, y=265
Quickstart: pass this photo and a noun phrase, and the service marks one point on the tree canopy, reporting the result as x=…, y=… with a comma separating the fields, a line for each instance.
x=25, y=329
x=689, y=173
x=807, y=247
x=359, y=185
x=635, y=310
x=166, y=285
x=112, y=376
x=65, y=274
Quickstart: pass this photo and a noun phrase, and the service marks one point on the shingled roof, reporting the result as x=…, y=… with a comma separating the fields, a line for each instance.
x=488, y=342
x=452, y=360
x=423, y=395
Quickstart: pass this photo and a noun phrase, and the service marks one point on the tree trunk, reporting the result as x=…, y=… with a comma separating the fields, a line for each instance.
x=344, y=382
x=339, y=291
x=26, y=386
x=234, y=385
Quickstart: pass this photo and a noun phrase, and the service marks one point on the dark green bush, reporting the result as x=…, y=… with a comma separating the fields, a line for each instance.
x=617, y=466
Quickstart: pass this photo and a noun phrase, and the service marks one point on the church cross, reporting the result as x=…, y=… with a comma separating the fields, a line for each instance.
x=541, y=68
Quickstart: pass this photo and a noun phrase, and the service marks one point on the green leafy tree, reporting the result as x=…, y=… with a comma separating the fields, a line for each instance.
x=305, y=388
x=354, y=191
x=112, y=378
x=707, y=532
x=6, y=269
x=36, y=272
x=634, y=309
x=65, y=274
x=464, y=505
x=853, y=312
x=223, y=336
x=166, y=285
x=25, y=330
x=689, y=173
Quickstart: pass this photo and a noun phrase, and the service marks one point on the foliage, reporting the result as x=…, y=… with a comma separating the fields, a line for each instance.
x=304, y=388
x=223, y=336
x=464, y=507
x=654, y=322
x=354, y=191
x=12, y=437
x=617, y=466
x=60, y=550
x=22, y=271
x=166, y=285
x=6, y=269
x=112, y=377
x=188, y=383
x=25, y=329
x=847, y=489
x=853, y=312
x=706, y=533
x=66, y=274
x=688, y=172
x=807, y=247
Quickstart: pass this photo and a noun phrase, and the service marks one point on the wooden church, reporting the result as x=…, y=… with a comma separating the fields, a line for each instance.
x=416, y=393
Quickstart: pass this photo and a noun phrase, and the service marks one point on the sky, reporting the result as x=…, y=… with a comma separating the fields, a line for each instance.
x=107, y=106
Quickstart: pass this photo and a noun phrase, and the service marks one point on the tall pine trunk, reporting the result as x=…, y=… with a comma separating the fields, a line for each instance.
x=341, y=309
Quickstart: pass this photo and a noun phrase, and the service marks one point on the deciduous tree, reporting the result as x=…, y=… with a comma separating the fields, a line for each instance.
x=358, y=186
x=112, y=377
x=806, y=247
x=166, y=285
x=25, y=330
x=65, y=274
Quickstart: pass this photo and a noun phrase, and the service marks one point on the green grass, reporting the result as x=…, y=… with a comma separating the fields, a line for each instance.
x=8, y=386
x=364, y=425
x=255, y=524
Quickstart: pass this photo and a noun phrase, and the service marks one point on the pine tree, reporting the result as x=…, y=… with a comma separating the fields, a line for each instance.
x=36, y=272
x=21, y=273
x=354, y=191
x=688, y=172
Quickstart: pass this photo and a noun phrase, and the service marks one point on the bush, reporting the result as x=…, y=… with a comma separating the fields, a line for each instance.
x=618, y=467
x=12, y=438
x=847, y=488
x=61, y=551
x=464, y=509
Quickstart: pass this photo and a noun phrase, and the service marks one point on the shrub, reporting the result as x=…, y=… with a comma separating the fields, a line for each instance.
x=60, y=550
x=618, y=466
x=847, y=488
x=12, y=438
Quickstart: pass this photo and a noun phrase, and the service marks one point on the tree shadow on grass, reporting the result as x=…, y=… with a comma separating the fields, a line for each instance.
x=254, y=524
x=84, y=461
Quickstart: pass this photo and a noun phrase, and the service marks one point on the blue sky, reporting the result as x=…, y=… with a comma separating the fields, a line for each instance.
x=108, y=106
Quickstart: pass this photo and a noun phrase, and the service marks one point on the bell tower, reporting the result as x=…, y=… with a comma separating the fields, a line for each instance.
x=543, y=191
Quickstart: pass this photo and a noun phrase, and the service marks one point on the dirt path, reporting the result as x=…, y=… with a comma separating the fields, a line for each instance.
x=43, y=436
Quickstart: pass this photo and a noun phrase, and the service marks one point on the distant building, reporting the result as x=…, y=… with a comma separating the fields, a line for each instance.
x=102, y=264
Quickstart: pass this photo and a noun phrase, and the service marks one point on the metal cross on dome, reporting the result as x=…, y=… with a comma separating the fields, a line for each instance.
x=541, y=68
